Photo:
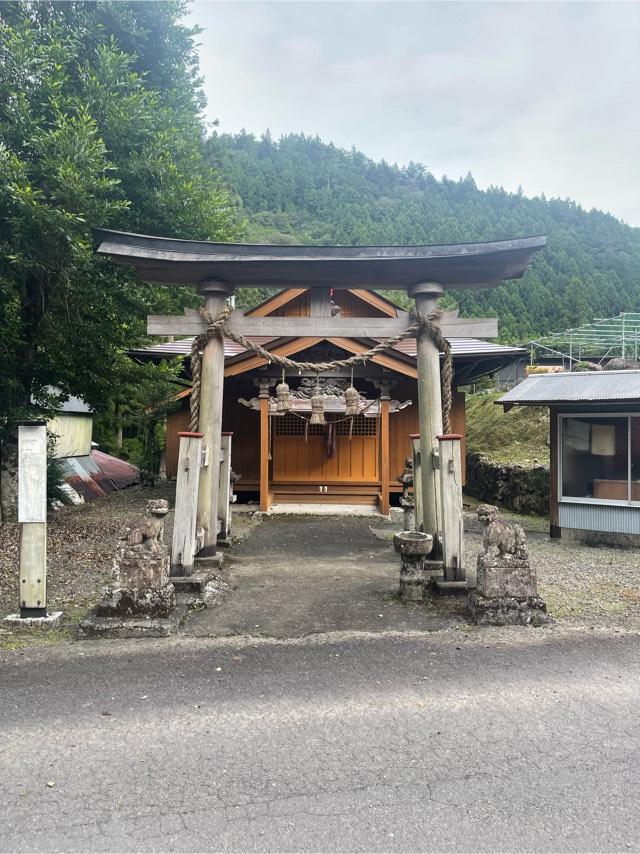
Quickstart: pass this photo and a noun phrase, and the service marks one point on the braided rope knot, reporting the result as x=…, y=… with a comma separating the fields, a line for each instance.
x=217, y=328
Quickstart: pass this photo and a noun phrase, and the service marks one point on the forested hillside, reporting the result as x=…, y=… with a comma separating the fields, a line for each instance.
x=301, y=190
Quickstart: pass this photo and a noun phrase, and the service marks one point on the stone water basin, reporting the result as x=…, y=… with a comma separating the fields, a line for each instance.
x=412, y=543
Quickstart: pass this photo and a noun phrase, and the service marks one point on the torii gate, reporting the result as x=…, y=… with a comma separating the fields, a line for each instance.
x=217, y=269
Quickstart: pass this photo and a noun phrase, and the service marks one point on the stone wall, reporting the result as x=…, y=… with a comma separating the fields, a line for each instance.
x=525, y=490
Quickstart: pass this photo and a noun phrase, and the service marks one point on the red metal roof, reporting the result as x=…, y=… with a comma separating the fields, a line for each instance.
x=98, y=474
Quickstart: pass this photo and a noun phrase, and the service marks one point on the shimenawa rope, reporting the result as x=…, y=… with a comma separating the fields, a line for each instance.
x=217, y=328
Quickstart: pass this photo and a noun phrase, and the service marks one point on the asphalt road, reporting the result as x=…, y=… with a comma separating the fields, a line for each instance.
x=515, y=741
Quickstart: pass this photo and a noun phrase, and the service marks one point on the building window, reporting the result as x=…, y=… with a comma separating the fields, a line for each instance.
x=600, y=457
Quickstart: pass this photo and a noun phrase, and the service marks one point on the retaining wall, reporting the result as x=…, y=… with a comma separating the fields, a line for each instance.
x=525, y=490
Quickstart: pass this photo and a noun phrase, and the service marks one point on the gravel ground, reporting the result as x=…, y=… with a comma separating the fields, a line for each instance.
x=583, y=585
x=81, y=545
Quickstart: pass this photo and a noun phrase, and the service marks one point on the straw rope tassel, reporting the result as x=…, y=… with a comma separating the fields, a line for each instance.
x=283, y=396
x=317, y=405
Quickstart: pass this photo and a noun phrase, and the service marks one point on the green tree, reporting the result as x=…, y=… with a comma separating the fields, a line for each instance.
x=99, y=126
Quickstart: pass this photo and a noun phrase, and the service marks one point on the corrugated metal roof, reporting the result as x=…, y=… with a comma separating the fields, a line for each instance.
x=575, y=387
x=466, y=347
x=460, y=348
x=98, y=474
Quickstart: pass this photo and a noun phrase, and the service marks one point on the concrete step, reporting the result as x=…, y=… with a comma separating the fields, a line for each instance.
x=199, y=578
x=451, y=588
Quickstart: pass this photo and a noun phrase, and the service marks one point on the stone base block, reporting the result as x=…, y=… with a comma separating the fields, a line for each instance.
x=121, y=602
x=507, y=611
x=209, y=562
x=508, y=577
x=16, y=623
x=95, y=626
x=204, y=589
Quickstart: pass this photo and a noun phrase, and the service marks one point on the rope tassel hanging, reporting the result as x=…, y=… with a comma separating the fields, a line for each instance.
x=351, y=399
x=283, y=396
x=317, y=405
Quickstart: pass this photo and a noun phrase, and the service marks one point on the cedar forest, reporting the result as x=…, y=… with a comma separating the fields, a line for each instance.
x=301, y=190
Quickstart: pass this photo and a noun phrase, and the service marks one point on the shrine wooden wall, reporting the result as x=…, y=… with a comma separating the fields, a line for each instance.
x=350, y=306
x=245, y=425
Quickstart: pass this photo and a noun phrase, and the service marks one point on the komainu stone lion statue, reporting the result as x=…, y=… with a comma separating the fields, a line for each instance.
x=506, y=538
x=149, y=528
x=140, y=585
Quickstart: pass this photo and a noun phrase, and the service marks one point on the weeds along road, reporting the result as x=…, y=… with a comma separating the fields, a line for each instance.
x=514, y=740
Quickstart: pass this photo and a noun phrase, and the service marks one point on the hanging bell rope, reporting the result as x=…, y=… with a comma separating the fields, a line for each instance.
x=217, y=328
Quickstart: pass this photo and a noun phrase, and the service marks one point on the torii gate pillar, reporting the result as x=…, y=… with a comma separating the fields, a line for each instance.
x=210, y=421
x=429, y=412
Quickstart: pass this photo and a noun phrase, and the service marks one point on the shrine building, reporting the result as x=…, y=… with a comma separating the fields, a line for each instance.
x=319, y=384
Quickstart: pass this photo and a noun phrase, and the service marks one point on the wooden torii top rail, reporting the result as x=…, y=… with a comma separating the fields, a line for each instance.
x=188, y=262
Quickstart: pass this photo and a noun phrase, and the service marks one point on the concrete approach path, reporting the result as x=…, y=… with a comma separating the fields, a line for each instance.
x=517, y=740
x=298, y=575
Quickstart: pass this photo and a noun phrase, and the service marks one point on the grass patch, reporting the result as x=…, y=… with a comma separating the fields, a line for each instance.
x=519, y=436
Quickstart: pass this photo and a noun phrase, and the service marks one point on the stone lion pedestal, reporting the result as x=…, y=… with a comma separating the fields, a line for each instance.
x=506, y=592
x=140, y=601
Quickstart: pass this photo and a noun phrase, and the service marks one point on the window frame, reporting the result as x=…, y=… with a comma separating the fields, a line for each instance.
x=606, y=502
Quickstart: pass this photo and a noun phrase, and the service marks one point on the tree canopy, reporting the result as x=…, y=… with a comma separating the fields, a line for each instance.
x=100, y=125
x=301, y=190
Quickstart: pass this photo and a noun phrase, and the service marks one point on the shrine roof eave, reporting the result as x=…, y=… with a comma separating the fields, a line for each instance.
x=185, y=262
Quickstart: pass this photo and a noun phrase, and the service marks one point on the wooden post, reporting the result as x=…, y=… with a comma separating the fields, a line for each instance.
x=210, y=423
x=451, y=503
x=384, y=450
x=224, y=492
x=555, y=531
x=429, y=412
x=319, y=302
x=185, y=535
x=265, y=497
x=417, y=481
x=32, y=514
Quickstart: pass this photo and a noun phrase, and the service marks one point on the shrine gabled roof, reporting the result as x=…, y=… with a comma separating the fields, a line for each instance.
x=460, y=348
x=186, y=262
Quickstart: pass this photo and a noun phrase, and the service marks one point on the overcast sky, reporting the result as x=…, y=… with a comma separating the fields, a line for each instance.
x=543, y=95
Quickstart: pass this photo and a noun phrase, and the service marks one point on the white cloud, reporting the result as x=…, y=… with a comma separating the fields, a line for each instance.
x=543, y=95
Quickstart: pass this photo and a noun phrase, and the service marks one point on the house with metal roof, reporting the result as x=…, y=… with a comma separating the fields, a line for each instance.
x=594, y=450
x=343, y=460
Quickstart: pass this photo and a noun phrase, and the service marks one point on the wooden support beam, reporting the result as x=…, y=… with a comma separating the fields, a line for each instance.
x=275, y=302
x=224, y=491
x=319, y=303
x=417, y=481
x=319, y=326
x=384, y=452
x=451, y=503
x=265, y=497
x=555, y=531
x=287, y=349
x=383, y=359
x=184, y=542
